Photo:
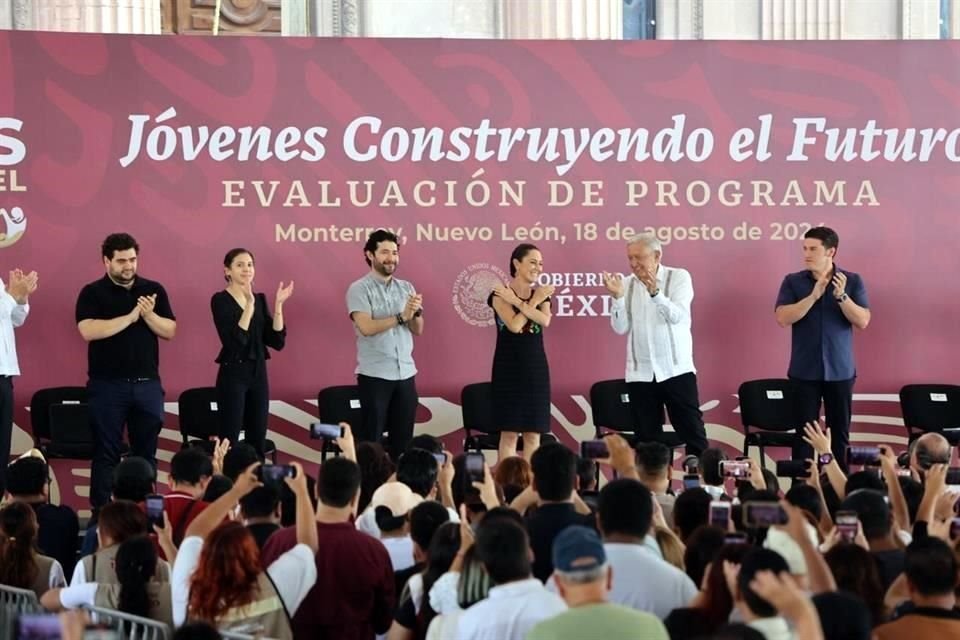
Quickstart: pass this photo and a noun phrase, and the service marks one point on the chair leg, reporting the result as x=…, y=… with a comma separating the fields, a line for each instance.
x=762, y=458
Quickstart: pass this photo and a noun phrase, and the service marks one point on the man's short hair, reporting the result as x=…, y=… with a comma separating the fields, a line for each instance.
x=426, y=442
x=338, y=482
x=418, y=469
x=374, y=240
x=504, y=549
x=586, y=473
x=425, y=519
x=118, y=242
x=710, y=466
x=806, y=497
x=27, y=477
x=826, y=235
x=554, y=471
x=691, y=510
x=262, y=502
x=872, y=511
x=865, y=479
x=625, y=506
x=759, y=559
x=190, y=465
x=238, y=457
x=653, y=459
x=931, y=566
x=133, y=479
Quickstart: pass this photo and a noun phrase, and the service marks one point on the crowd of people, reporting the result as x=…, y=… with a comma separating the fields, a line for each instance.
x=415, y=548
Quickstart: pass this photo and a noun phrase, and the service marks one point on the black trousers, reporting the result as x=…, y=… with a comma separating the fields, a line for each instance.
x=837, y=398
x=682, y=400
x=243, y=402
x=6, y=427
x=138, y=403
x=387, y=405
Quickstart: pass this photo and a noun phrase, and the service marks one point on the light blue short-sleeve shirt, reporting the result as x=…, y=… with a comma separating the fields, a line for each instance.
x=389, y=354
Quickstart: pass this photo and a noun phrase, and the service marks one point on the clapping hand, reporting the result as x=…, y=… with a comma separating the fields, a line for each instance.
x=839, y=284
x=649, y=280
x=146, y=304
x=20, y=285
x=821, y=285
x=614, y=284
x=283, y=293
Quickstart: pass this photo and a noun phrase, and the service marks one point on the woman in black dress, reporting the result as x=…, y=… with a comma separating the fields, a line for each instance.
x=246, y=329
x=521, y=378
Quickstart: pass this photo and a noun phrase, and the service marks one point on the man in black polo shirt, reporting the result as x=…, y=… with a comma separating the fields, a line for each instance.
x=821, y=359
x=120, y=316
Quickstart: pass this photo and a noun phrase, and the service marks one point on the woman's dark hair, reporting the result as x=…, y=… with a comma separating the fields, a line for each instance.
x=855, y=571
x=122, y=519
x=387, y=522
x=18, y=533
x=231, y=256
x=717, y=599
x=519, y=254
x=375, y=468
x=702, y=547
x=135, y=564
x=443, y=549
x=197, y=631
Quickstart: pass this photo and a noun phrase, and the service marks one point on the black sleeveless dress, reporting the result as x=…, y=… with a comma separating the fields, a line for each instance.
x=520, y=378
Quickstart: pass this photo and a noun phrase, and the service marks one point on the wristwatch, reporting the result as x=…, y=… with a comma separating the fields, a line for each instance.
x=655, y=293
x=842, y=298
x=824, y=459
x=400, y=320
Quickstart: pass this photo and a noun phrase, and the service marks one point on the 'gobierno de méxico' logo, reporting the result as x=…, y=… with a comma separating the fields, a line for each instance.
x=15, y=224
x=471, y=290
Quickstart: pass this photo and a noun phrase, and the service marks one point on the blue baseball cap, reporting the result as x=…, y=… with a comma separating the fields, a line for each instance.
x=578, y=548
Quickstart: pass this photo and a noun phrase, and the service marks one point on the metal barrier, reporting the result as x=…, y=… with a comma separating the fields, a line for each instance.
x=13, y=602
x=131, y=627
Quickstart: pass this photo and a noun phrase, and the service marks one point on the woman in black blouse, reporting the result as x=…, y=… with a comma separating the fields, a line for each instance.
x=246, y=330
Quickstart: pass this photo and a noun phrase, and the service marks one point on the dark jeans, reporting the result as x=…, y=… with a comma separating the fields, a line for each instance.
x=138, y=403
x=837, y=397
x=679, y=394
x=243, y=402
x=387, y=405
x=6, y=427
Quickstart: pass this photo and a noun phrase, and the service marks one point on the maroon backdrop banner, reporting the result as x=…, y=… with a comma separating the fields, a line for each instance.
x=294, y=148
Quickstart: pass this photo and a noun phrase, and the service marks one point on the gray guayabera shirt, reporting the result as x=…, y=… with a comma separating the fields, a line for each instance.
x=389, y=354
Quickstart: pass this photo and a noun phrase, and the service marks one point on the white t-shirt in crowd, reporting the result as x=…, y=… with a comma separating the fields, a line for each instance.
x=509, y=612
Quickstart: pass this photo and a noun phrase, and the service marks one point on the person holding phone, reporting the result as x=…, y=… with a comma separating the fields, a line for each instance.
x=246, y=329
x=822, y=305
x=521, y=377
x=651, y=307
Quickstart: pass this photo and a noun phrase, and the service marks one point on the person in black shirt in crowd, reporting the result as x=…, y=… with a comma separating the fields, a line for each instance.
x=121, y=316
x=246, y=329
x=57, y=524
x=260, y=512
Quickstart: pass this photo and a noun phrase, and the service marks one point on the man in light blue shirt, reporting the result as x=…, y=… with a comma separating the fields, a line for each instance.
x=386, y=313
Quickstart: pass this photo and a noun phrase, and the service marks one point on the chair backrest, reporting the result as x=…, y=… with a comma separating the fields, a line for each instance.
x=476, y=407
x=43, y=399
x=930, y=407
x=771, y=404
x=199, y=413
x=340, y=404
x=610, y=406
x=130, y=626
x=70, y=423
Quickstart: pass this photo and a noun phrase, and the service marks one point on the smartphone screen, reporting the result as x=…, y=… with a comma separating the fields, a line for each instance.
x=863, y=455
x=763, y=514
x=155, y=510
x=594, y=450
x=953, y=476
x=473, y=465
x=275, y=473
x=739, y=469
x=322, y=431
x=690, y=481
x=847, y=522
x=38, y=626
x=720, y=514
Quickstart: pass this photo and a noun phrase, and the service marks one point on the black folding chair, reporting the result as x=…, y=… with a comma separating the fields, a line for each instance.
x=60, y=421
x=611, y=411
x=771, y=407
x=476, y=411
x=335, y=405
x=200, y=420
x=932, y=408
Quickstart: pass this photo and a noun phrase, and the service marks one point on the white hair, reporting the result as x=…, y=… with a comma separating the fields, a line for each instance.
x=586, y=576
x=649, y=240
